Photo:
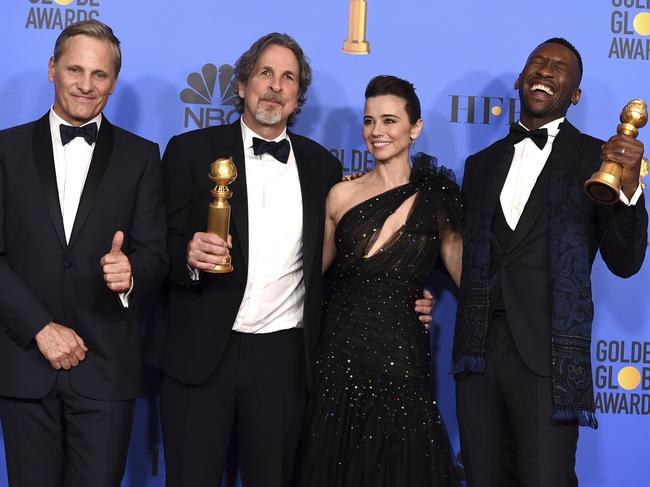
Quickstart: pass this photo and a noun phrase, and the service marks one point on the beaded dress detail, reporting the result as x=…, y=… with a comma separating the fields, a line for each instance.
x=372, y=421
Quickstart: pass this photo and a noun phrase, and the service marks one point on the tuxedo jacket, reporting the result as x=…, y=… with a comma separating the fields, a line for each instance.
x=43, y=278
x=519, y=262
x=195, y=318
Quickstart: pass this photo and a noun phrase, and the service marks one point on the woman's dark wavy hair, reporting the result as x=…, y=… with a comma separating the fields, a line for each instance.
x=247, y=63
x=392, y=85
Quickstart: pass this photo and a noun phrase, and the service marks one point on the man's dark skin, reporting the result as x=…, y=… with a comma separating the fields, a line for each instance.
x=556, y=67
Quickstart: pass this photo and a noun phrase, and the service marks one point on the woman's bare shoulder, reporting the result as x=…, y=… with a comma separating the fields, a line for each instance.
x=345, y=195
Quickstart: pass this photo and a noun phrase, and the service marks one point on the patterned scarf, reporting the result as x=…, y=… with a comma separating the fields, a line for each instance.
x=572, y=307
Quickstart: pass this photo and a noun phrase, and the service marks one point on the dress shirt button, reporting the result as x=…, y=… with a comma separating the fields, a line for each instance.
x=67, y=264
x=505, y=263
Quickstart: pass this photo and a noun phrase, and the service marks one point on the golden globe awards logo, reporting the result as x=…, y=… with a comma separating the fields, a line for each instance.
x=630, y=24
x=58, y=14
x=200, y=96
x=483, y=110
x=622, y=377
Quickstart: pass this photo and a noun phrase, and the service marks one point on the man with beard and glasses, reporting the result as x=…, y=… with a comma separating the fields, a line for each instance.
x=238, y=348
x=523, y=331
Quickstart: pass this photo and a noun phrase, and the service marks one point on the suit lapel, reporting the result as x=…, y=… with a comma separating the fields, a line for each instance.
x=495, y=177
x=44, y=158
x=537, y=200
x=554, y=170
x=308, y=174
x=564, y=153
x=233, y=146
x=98, y=165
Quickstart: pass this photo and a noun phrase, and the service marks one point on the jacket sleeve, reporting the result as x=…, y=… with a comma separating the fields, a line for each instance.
x=334, y=171
x=148, y=256
x=178, y=199
x=22, y=314
x=623, y=236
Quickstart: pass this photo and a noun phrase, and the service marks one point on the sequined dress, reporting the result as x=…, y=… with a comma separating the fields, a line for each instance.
x=373, y=421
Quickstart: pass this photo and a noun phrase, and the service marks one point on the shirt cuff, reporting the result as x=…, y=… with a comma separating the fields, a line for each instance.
x=635, y=197
x=124, y=297
x=194, y=273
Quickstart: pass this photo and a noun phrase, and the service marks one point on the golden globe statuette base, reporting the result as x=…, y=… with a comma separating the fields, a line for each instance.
x=222, y=172
x=356, y=47
x=604, y=186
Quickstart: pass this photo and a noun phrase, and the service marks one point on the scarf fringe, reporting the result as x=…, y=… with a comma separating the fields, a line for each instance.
x=468, y=363
x=574, y=415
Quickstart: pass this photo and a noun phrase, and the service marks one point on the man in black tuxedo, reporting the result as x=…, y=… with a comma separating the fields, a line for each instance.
x=239, y=347
x=523, y=331
x=82, y=248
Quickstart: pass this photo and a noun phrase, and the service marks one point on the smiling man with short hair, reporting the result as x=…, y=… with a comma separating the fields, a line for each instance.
x=523, y=329
x=82, y=247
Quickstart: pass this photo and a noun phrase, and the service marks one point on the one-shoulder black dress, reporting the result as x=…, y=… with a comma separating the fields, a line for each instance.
x=373, y=421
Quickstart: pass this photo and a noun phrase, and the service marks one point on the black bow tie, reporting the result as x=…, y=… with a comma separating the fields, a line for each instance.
x=88, y=132
x=279, y=150
x=519, y=133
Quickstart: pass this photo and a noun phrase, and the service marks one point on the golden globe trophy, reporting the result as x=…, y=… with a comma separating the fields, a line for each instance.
x=222, y=172
x=604, y=186
x=356, y=42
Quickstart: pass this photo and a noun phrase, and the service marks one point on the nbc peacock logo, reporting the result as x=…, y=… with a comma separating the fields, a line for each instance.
x=58, y=14
x=204, y=107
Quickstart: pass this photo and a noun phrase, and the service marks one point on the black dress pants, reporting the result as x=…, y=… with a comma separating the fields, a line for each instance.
x=259, y=389
x=508, y=437
x=65, y=439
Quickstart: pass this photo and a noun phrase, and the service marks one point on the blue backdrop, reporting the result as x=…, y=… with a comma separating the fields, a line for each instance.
x=463, y=57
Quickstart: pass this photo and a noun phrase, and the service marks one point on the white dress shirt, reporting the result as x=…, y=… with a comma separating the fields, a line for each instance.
x=71, y=165
x=275, y=289
x=527, y=164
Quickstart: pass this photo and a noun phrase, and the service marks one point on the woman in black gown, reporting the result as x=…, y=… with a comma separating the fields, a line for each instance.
x=373, y=421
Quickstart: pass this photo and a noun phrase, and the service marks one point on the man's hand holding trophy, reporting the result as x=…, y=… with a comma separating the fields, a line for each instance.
x=621, y=156
x=210, y=251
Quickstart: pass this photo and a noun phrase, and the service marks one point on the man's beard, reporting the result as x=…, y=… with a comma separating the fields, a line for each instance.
x=269, y=116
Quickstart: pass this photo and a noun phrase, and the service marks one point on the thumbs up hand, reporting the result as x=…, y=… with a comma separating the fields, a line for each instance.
x=116, y=266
